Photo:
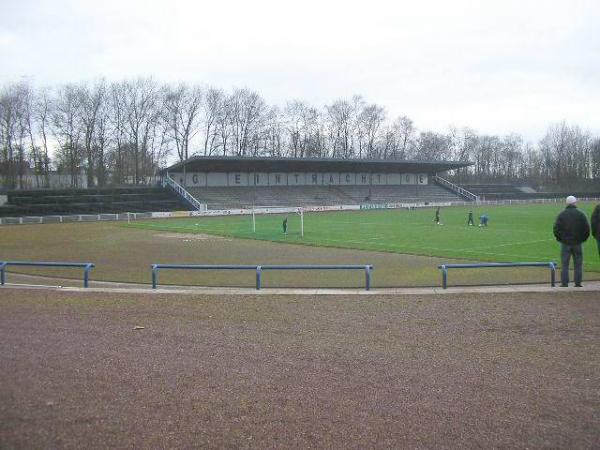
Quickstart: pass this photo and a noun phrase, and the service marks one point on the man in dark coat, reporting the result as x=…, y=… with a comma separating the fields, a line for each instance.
x=596, y=226
x=571, y=229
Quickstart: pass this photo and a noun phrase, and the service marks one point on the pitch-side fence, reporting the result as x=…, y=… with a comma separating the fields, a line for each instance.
x=444, y=268
x=162, y=215
x=87, y=267
x=368, y=268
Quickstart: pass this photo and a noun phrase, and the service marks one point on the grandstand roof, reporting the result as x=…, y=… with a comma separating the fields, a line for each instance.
x=255, y=164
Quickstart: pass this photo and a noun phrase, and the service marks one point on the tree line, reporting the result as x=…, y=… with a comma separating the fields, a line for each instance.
x=124, y=132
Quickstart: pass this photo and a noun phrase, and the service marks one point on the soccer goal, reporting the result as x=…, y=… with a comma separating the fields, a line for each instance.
x=278, y=211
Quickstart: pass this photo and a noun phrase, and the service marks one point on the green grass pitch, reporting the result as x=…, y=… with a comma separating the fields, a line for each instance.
x=514, y=233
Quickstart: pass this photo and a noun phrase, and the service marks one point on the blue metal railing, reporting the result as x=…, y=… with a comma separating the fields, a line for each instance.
x=368, y=268
x=87, y=267
x=444, y=268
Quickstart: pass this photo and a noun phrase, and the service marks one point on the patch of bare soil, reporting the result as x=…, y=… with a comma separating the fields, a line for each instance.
x=191, y=237
x=93, y=370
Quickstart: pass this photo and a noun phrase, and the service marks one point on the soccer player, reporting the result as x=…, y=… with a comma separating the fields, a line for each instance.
x=470, y=219
x=483, y=220
x=285, y=225
x=437, y=215
x=571, y=229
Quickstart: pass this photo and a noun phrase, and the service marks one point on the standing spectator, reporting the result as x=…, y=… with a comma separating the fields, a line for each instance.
x=470, y=219
x=571, y=229
x=596, y=225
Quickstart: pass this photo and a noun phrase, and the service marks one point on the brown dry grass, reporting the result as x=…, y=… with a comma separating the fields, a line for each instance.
x=457, y=371
x=125, y=254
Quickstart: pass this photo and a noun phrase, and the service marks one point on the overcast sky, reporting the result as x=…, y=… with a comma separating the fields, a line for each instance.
x=496, y=66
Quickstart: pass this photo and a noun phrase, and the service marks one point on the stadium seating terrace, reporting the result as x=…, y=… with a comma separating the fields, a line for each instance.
x=242, y=197
x=44, y=202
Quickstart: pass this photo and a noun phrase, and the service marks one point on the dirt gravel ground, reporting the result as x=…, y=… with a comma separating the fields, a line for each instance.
x=453, y=371
x=126, y=254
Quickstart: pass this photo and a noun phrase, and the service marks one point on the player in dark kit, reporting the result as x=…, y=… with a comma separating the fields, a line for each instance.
x=285, y=225
x=470, y=219
x=437, y=215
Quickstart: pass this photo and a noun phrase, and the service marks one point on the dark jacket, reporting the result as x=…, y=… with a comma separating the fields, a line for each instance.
x=596, y=222
x=571, y=226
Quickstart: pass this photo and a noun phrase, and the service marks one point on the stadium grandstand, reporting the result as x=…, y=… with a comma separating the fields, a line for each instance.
x=232, y=182
x=235, y=182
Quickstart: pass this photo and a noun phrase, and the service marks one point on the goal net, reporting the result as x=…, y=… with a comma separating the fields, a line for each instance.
x=281, y=211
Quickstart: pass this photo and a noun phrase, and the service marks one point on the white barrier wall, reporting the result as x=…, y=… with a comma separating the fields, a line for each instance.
x=215, y=179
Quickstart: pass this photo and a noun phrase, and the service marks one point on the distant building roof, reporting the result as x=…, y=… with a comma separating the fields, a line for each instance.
x=260, y=164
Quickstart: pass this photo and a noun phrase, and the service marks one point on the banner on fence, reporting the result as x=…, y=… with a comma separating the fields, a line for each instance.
x=262, y=210
x=402, y=205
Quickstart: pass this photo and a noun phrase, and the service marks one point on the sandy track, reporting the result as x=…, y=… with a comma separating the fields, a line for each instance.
x=462, y=371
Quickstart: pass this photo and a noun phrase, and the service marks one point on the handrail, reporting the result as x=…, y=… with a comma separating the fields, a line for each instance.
x=444, y=268
x=455, y=188
x=368, y=268
x=179, y=189
x=87, y=267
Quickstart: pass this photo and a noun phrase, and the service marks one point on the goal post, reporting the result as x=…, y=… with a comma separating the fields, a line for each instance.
x=278, y=211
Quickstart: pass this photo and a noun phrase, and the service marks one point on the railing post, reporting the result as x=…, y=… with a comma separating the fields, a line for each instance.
x=367, y=277
x=258, y=277
x=154, y=275
x=552, y=274
x=444, y=276
x=86, y=275
x=2, y=268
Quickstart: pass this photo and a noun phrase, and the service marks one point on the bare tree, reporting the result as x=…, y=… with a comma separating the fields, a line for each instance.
x=140, y=107
x=214, y=102
x=272, y=133
x=42, y=115
x=405, y=131
x=182, y=106
x=370, y=120
x=92, y=100
x=432, y=146
x=340, y=127
x=247, y=108
x=8, y=128
x=117, y=113
x=68, y=131
x=104, y=136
